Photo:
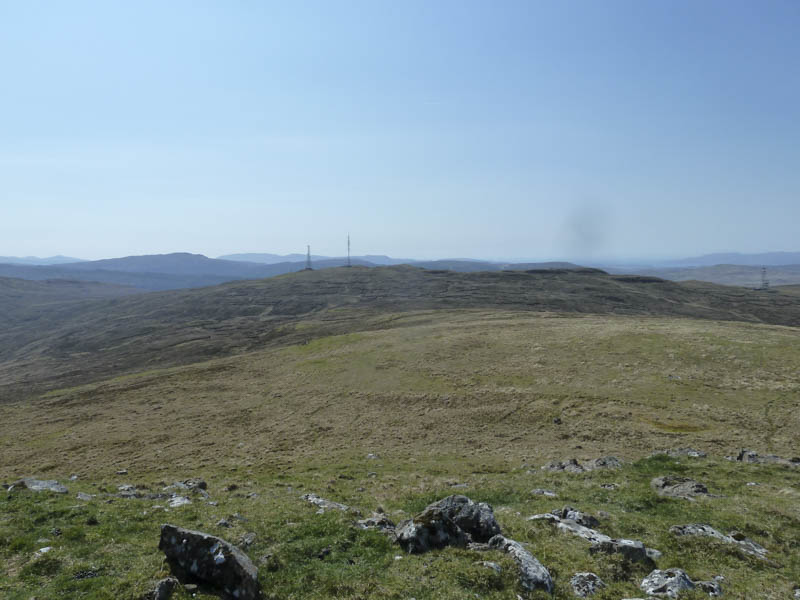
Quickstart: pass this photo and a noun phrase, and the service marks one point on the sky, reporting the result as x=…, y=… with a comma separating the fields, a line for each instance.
x=494, y=129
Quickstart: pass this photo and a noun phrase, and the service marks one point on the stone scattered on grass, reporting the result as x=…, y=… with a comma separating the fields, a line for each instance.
x=675, y=486
x=164, y=589
x=177, y=501
x=744, y=544
x=586, y=584
x=532, y=574
x=669, y=582
x=490, y=565
x=749, y=456
x=39, y=485
x=572, y=465
x=378, y=521
x=195, y=556
x=680, y=452
x=575, y=515
x=324, y=504
x=452, y=521
x=633, y=550
x=543, y=492
x=84, y=497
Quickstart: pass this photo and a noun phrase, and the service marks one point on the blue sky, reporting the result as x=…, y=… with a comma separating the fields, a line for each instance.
x=576, y=129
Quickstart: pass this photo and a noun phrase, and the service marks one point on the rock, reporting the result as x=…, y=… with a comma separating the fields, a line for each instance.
x=122, y=472
x=680, y=452
x=85, y=574
x=39, y=485
x=748, y=456
x=163, y=589
x=569, y=466
x=600, y=542
x=712, y=588
x=194, y=485
x=575, y=515
x=606, y=462
x=224, y=523
x=609, y=486
x=490, y=565
x=669, y=582
x=324, y=504
x=247, y=539
x=533, y=575
x=586, y=584
x=377, y=521
x=744, y=544
x=573, y=466
x=198, y=556
x=675, y=486
x=452, y=521
x=177, y=501
x=41, y=552
x=84, y=497
x=546, y=493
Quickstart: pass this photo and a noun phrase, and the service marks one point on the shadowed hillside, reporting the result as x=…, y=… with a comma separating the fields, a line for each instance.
x=104, y=338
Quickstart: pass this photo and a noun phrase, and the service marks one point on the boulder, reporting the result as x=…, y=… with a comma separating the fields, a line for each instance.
x=713, y=588
x=669, y=582
x=199, y=557
x=605, y=462
x=452, y=521
x=163, y=589
x=675, y=486
x=570, y=465
x=586, y=584
x=39, y=485
x=532, y=574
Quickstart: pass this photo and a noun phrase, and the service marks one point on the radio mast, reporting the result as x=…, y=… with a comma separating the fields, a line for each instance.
x=308, y=259
x=348, y=251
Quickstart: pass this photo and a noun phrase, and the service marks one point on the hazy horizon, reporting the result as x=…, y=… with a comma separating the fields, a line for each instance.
x=582, y=131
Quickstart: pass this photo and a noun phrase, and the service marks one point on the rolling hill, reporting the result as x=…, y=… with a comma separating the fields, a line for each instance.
x=123, y=335
x=739, y=275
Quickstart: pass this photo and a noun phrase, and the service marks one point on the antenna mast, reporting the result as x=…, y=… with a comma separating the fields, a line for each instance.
x=348, y=251
x=308, y=259
x=764, y=280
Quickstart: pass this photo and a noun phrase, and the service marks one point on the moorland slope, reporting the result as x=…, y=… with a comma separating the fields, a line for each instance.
x=104, y=338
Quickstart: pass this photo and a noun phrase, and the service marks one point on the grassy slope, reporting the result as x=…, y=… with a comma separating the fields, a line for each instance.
x=442, y=398
x=154, y=330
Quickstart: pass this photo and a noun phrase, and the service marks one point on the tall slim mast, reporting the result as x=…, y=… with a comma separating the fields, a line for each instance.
x=348, y=251
x=308, y=258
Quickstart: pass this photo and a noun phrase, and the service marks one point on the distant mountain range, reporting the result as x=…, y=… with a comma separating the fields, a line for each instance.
x=156, y=272
x=35, y=260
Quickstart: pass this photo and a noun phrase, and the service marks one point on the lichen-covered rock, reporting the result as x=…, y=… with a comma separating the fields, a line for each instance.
x=600, y=542
x=39, y=485
x=605, y=462
x=586, y=584
x=568, y=466
x=195, y=556
x=675, y=486
x=744, y=544
x=532, y=574
x=713, y=588
x=575, y=515
x=749, y=456
x=669, y=582
x=324, y=504
x=452, y=521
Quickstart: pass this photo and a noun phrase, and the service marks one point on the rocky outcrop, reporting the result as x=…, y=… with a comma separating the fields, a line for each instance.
x=324, y=504
x=669, y=583
x=532, y=574
x=452, y=521
x=575, y=515
x=573, y=466
x=586, y=584
x=38, y=485
x=632, y=550
x=745, y=545
x=675, y=486
x=748, y=456
x=195, y=556
x=680, y=453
